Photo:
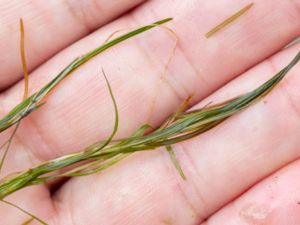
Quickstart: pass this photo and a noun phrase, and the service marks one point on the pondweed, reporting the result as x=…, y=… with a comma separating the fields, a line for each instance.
x=179, y=127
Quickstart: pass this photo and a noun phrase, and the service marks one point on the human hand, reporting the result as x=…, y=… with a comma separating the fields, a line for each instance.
x=242, y=172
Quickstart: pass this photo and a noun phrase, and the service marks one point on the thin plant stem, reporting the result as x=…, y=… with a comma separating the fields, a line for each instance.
x=229, y=20
x=23, y=59
x=25, y=212
x=7, y=145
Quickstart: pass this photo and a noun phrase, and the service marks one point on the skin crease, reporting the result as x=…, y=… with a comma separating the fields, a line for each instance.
x=241, y=172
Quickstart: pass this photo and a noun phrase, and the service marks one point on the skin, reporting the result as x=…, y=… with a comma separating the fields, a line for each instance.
x=245, y=171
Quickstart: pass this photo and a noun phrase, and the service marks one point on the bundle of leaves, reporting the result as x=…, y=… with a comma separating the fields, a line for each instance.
x=179, y=126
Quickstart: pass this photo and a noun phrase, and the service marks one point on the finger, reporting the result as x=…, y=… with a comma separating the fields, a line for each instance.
x=273, y=201
x=79, y=107
x=77, y=114
x=219, y=165
x=49, y=28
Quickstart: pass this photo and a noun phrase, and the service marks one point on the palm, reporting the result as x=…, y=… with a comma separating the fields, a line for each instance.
x=232, y=169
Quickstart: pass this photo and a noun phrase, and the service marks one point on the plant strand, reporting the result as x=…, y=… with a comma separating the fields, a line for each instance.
x=32, y=103
x=228, y=20
x=185, y=126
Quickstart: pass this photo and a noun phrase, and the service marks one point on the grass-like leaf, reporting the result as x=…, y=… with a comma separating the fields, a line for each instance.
x=184, y=126
x=32, y=103
x=23, y=59
x=229, y=20
x=175, y=161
